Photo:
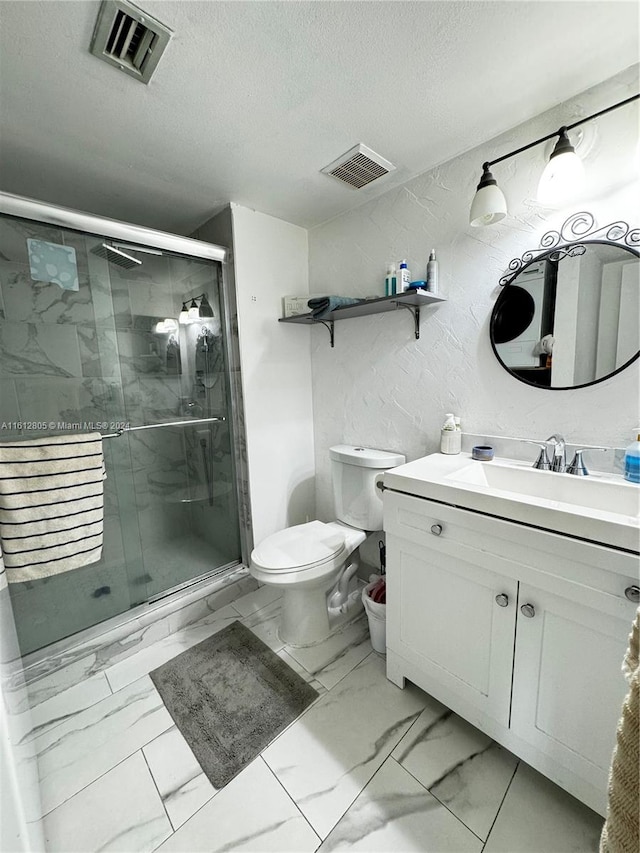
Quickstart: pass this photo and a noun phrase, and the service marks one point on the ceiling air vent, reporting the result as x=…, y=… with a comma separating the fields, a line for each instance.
x=125, y=36
x=359, y=167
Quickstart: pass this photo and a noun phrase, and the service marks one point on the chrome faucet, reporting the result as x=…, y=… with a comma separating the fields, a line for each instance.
x=559, y=461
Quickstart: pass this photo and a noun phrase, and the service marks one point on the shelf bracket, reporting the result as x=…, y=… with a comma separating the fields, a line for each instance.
x=328, y=325
x=415, y=310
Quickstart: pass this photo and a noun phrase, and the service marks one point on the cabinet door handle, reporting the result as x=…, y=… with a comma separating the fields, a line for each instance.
x=436, y=529
x=502, y=600
x=633, y=593
x=528, y=610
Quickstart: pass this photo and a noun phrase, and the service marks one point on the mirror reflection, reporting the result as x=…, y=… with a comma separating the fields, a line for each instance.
x=570, y=318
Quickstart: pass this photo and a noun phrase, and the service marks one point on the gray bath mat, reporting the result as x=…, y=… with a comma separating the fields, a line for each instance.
x=230, y=696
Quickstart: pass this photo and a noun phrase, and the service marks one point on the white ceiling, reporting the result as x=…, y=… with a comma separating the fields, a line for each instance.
x=252, y=99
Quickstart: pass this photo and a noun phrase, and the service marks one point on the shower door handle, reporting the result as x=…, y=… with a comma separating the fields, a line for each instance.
x=185, y=422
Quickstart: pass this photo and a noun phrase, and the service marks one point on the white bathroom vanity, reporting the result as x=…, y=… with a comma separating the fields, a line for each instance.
x=511, y=594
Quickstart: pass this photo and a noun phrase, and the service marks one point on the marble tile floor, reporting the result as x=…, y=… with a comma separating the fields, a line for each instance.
x=366, y=767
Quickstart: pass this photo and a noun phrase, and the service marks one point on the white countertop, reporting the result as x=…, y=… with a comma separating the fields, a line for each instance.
x=602, y=508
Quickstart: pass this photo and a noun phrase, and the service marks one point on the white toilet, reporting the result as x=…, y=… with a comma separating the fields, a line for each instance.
x=311, y=562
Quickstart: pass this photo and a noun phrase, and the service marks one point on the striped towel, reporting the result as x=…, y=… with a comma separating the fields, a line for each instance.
x=51, y=504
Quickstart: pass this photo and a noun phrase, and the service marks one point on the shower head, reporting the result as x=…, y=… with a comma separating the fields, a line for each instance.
x=116, y=256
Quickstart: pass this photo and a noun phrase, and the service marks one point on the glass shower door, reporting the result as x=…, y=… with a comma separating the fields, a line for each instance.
x=102, y=349
x=60, y=373
x=174, y=371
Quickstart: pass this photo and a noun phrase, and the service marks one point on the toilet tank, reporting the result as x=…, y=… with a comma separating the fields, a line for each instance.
x=356, y=499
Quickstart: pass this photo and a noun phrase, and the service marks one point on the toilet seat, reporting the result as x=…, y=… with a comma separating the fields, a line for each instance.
x=304, y=546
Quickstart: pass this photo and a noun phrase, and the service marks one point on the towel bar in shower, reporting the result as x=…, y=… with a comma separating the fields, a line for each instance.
x=191, y=422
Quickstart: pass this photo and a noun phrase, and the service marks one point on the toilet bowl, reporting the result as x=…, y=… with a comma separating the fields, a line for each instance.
x=315, y=564
x=306, y=561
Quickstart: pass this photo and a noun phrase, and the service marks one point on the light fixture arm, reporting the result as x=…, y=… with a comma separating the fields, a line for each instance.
x=563, y=173
x=564, y=128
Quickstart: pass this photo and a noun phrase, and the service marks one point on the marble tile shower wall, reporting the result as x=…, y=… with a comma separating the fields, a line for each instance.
x=88, y=356
x=63, y=353
x=212, y=527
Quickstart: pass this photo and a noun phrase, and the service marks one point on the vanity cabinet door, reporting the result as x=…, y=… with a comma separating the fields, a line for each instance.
x=568, y=686
x=443, y=618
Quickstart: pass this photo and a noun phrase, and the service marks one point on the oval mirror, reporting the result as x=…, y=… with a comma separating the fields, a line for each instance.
x=569, y=318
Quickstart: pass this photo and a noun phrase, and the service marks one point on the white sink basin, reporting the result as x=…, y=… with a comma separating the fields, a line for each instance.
x=601, y=508
x=584, y=492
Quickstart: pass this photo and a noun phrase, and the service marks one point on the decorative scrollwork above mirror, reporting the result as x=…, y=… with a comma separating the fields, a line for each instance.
x=568, y=315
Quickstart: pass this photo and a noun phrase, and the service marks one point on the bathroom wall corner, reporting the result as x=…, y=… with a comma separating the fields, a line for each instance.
x=270, y=261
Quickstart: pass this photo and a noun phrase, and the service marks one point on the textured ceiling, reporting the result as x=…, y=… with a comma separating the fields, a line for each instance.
x=252, y=99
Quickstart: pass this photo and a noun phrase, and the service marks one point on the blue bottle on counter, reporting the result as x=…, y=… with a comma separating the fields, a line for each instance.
x=632, y=462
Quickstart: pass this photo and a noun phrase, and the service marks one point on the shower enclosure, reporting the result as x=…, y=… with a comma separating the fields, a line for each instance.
x=125, y=331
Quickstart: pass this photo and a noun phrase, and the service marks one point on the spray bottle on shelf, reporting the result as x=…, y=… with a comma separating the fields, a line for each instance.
x=432, y=273
x=390, y=286
x=404, y=278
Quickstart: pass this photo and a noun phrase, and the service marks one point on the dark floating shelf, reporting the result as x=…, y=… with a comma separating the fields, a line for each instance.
x=413, y=300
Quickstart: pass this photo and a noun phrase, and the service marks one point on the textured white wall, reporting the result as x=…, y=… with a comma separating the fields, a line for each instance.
x=271, y=261
x=379, y=386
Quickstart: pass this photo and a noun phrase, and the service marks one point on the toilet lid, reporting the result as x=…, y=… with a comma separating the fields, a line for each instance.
x=303, y=545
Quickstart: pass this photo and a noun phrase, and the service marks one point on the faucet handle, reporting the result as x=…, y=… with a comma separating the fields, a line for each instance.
x=577, y=465
x=542, y=462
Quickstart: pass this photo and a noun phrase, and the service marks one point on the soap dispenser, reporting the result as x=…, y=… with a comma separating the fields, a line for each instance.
x=450, y=437
x=632, y=461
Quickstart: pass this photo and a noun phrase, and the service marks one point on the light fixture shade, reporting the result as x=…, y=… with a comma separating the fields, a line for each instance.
x=193, y=312
x=183, y=317
x=205, y=309
x=563, y=175
x=167, y=326
x=489, y=204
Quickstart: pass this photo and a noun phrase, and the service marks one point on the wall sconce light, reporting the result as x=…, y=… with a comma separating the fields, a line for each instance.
x=564, y=173
x=561, y=177
x=166, y=327
x=489, y=204
x=199, y=309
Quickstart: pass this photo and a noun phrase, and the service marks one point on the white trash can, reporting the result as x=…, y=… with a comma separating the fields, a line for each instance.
x=377, y=616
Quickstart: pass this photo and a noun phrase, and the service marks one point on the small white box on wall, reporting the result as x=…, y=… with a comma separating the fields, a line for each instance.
x=294, y=305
